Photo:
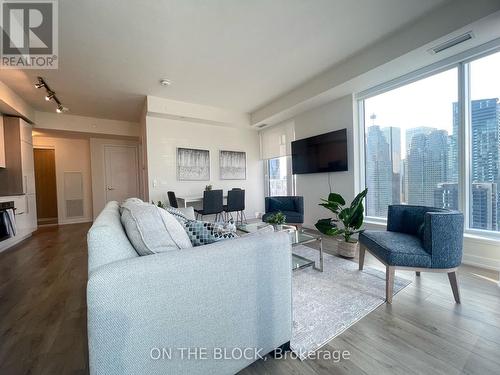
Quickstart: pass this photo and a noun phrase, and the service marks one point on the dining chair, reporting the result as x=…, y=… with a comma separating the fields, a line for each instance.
x=172, y=199
x=212, y=204
x=235, y=203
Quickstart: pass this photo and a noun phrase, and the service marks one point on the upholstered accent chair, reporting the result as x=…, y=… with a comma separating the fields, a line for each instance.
x=291, y=206
x=419, y=239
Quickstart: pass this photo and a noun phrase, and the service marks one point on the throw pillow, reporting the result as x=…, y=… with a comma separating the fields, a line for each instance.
x=177, y=214
x=203, y=233
x=151, y=229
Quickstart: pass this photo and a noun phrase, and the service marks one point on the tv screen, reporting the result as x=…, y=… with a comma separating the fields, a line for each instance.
x=322, y=153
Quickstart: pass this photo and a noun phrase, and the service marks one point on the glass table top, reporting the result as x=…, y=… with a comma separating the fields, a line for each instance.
x=296, y=236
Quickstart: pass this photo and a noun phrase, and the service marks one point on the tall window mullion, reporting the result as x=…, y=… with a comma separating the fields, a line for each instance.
x=411, y=144
x=483, y=143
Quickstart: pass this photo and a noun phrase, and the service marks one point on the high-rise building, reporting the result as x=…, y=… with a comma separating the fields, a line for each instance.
x=415, y=131
x=485, y=149
x=427, y=160
x=393, y=137
x=484, y=213
x=446, y=195
x=378, y=172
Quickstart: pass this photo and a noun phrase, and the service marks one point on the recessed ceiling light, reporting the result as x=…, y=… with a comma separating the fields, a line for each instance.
x=165, y=82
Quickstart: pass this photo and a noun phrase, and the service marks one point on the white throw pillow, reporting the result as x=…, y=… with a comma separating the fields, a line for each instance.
x=152, y=230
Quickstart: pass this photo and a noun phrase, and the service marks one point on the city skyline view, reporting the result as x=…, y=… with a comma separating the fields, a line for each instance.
x=412, y=144
x=435, y=94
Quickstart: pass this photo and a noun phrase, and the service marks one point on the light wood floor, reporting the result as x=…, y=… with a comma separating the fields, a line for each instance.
x=43, y=319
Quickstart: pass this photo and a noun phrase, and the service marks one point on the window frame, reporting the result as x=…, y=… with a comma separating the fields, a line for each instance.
x=462, y=62
x=290, y=178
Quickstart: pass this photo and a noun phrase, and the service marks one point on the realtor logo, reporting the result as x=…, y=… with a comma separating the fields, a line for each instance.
x=29, y=34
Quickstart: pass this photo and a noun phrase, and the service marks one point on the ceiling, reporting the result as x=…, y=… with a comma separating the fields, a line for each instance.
x=225, y=53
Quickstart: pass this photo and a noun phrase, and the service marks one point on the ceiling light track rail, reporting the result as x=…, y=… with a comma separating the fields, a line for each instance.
x=51, y=95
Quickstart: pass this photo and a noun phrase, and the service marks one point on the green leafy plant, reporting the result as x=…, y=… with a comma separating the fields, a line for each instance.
x=278, y=219
x=351, y=216
x=159, y=204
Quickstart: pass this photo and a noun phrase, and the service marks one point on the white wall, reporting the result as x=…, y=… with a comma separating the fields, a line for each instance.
x=332, y=116
x=85, y=124
x=71, y=155
x=165, y=135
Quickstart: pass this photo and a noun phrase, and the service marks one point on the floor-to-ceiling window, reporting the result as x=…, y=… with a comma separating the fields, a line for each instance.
x=484, y=143
x=279, y=176
x=421, y=132
x=410, y=152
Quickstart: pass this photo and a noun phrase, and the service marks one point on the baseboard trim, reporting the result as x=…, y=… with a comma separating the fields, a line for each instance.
x=481, y=262
x=75, y=221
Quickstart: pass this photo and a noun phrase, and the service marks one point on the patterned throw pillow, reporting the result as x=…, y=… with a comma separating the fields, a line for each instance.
x=181, y=218
x=203, y=233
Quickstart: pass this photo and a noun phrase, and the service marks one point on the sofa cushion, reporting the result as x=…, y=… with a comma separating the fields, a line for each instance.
x=396, y=249
x=151, y=229
x=204, y=233
x=281, y=204
x=107, y=240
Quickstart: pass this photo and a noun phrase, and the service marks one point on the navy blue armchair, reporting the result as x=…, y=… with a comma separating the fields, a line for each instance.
x=418, y=239
x=291, y=206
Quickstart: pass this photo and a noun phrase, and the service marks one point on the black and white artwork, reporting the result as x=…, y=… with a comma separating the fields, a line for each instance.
x=193, y=164
x=233, y=165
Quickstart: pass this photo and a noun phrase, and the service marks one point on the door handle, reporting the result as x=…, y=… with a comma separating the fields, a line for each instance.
x=110, y=188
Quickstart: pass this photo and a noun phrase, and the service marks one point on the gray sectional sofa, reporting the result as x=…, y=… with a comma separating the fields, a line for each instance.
x=178, y=312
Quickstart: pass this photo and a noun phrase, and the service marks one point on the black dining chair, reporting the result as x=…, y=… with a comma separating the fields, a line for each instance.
x=172, y=199
x=235, y=203
x=212, y=204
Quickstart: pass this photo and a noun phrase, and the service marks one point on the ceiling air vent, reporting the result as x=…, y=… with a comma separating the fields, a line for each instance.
x=452, y=42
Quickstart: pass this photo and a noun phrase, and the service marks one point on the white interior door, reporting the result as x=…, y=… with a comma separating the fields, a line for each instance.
x=121, y=172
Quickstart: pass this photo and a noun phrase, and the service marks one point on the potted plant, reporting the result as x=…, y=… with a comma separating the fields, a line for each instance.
x=208, y=187
x=351, y=218
x=277, y=220
x=159, y=204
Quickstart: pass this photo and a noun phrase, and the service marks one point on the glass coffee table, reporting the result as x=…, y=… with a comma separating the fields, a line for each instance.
x=297, y=237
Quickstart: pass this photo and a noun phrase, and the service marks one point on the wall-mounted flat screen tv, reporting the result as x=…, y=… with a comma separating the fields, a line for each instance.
x=322, y=153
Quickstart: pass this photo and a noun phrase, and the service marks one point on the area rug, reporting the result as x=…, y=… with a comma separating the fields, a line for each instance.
x=326, y=303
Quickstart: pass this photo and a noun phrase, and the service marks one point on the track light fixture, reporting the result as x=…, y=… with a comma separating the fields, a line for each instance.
x=51, y=95
x=40, y=83
x=61, y=109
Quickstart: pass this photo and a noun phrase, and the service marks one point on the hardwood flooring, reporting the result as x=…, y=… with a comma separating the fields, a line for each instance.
x=43, y=324
x=43, y=319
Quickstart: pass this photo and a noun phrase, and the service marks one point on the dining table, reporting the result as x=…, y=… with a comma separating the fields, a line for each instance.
x=188, y=200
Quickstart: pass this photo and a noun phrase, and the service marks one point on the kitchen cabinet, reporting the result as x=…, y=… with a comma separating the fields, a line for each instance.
x=17, y=179
x=2, y=145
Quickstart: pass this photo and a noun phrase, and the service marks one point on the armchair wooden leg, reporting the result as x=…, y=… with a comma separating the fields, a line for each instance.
x=361, y=256
x=417, y=273
x=389, y=283
x=452, y=276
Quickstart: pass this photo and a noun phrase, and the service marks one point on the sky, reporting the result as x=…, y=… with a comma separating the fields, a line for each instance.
x=428, y=102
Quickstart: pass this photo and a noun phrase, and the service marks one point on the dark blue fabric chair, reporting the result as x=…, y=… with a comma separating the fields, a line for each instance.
x=291, y=206
x=212, y=204
x=419, y=239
